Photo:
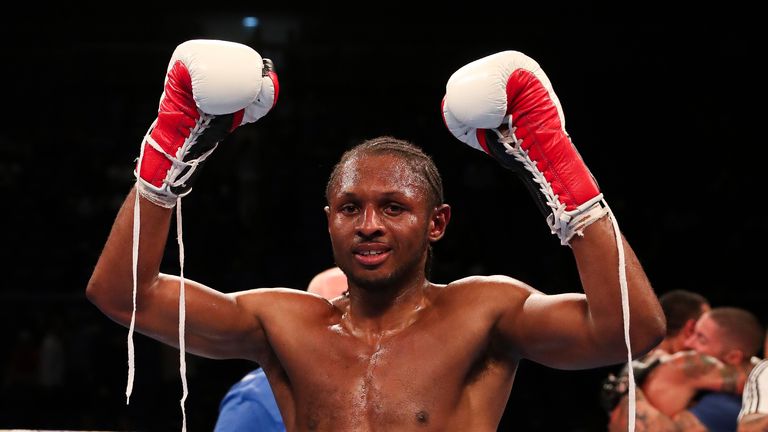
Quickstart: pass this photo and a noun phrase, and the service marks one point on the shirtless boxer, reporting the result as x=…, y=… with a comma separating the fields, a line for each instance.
x=398, y=352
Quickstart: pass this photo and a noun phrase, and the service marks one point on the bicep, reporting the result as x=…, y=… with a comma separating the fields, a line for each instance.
x=554, y=330
x=217, y=325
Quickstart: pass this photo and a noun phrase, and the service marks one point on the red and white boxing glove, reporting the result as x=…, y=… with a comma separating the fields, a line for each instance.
x=504, y=105
x=211, y=88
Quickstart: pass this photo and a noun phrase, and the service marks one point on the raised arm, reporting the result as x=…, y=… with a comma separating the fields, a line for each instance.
x=504, y=105
x=211, y=87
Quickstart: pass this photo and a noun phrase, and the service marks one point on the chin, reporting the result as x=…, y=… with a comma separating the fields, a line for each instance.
x=372, y=280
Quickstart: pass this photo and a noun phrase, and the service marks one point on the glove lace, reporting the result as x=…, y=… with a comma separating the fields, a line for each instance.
x=566, y=224
x=168, y=200
x=514, y=148
x=178, y=164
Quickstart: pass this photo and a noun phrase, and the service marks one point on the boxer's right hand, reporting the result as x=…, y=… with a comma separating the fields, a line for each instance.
x=211, y=87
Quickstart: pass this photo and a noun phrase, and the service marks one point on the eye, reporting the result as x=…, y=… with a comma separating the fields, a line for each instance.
x=348, y=209
x=393, y=209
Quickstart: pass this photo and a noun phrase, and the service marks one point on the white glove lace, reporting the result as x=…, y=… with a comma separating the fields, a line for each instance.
x=566, y=224
x=163, y=196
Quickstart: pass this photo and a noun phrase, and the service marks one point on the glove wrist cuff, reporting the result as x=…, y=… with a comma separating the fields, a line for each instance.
x=162, y=196
x=566, y=224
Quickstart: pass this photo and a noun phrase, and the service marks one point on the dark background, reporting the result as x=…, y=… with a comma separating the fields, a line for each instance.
x=660, y=103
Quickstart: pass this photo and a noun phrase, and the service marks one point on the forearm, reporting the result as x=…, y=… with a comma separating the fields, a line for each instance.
x=111, y=283
x=648, y=418
x=708, y=373
x=754, y=423
x=598, y=264
x=731, y=380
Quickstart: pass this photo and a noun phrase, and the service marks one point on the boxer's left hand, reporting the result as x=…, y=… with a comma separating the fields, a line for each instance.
x=509, y=91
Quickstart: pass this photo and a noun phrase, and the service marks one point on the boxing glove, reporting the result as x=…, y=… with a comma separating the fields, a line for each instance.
x=211, y=87
x=504, y=105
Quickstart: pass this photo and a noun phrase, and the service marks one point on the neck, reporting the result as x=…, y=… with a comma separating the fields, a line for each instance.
x=747, y=365
x=674, y=344
x=384, y=311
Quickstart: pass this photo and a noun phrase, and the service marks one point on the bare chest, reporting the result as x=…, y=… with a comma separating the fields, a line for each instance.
x=411, y=379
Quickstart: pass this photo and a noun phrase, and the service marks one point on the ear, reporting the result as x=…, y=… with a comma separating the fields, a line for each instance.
x=327, y=211
x=734, y=357
x=688, y=328
x=441, y=215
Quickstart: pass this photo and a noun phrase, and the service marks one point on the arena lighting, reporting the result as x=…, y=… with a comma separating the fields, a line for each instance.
x=250, y=22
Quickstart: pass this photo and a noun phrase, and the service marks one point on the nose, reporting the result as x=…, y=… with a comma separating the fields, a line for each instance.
x=369, y=223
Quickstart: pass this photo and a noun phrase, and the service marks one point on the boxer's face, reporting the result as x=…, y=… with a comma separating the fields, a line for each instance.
x=379, y=221
x=707, y=338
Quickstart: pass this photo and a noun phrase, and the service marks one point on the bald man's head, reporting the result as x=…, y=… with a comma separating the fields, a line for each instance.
x=328, y=284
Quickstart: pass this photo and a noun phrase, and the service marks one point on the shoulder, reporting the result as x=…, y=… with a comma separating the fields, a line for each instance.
x=278, y=295
x=688, y=367
x=762, y=365
x=492, y=283
x=249, y=404
x=270, y=301
x=486, y=292
x=760, y=371
x=254, y=382
x=690, y=357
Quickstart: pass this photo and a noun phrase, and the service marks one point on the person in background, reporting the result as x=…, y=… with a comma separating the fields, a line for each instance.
x=682, y=308
x=699, y=389
x=753, y=416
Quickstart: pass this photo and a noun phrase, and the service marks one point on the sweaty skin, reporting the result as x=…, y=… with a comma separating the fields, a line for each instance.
x=670, y=388
x=672, y=385
x=398, y=352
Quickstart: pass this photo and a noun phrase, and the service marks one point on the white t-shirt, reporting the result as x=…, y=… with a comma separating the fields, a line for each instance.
x=755, y=396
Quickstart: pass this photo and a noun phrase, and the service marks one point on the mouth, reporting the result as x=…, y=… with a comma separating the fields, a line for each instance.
x=370, y=255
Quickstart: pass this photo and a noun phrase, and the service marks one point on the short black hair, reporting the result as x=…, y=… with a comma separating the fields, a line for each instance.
x=679, y=306
x=419, y=162
x=743, y=329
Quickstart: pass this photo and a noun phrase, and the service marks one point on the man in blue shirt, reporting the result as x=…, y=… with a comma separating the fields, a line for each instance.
x=250, y=405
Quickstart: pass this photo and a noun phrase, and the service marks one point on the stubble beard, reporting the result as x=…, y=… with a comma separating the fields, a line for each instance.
x=375, y=281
